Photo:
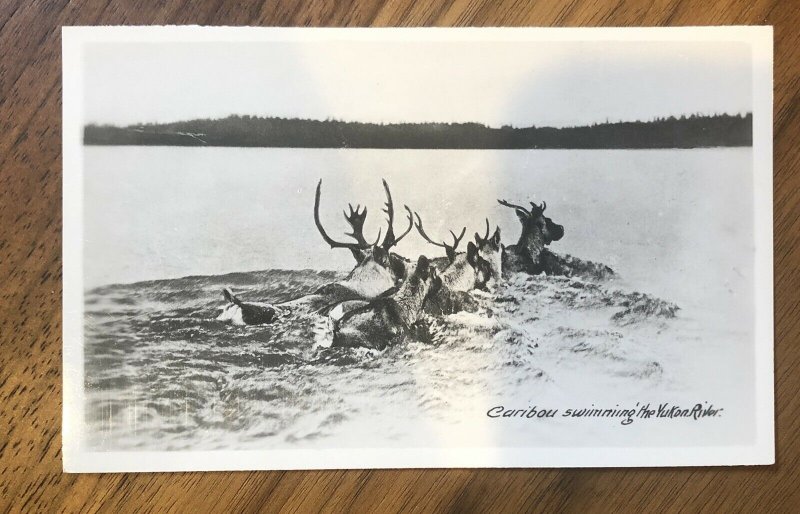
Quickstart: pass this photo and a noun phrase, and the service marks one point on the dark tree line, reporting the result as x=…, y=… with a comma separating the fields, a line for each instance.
x=250, y=131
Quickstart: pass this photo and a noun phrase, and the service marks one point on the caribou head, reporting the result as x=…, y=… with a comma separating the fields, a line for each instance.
x=369, y=255
x=464, y=271
x=490, y=249
x=535, y=225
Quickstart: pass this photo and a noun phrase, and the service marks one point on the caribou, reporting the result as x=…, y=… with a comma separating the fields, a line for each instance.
x=378, y=271
x=386, y=321
x=491, y=250
x=247, y=313
x=460, y=273
x=531, y=255
x=538, y=231
x=370, y=257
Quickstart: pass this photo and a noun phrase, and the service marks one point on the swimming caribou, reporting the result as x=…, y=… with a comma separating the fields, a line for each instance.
x=385, y=321
x=377, y=267
x=460, y=273
x=378, y=271
x=531, y=255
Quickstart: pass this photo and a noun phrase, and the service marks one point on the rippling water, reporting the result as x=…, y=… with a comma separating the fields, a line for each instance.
x=162, y=373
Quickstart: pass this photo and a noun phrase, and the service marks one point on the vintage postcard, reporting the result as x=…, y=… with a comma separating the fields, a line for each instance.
x=385, y=248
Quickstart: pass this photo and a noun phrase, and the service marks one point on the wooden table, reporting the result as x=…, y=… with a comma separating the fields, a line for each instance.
x=30, y=283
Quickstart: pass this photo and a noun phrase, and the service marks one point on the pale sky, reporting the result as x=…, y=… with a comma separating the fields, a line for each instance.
x=496, y=83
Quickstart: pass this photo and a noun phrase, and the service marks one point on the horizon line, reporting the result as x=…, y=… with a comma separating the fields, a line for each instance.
x=330, y=119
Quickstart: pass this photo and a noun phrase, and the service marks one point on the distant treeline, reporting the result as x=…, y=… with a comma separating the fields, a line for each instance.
x=247, y=131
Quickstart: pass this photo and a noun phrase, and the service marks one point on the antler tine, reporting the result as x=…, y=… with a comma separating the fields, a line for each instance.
x=539, y=208
x=457, y=239
x=356, y=219
x=357, y=211
x=513, y=206
x=486, y=237
x=421, y=231
x=410, y=225
x=544, y=205
x=325, y=236
x=390, y=240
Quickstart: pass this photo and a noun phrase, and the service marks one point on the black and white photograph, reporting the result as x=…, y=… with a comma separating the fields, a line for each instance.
x=383, y=248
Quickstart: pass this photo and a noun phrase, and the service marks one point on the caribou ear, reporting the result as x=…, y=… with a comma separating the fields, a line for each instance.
x=436, y=281
x=423, y=267
x=496, y=236
x=423, y=262
x=477, y=238
x=472, y=254
x=522, y=215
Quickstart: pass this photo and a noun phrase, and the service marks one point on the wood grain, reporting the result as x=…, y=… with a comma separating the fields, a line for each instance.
x=30, y=283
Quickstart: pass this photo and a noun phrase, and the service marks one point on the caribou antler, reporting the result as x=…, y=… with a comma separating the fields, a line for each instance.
x=356, y=219
x=450, y=250
x=540, y=208
x=482, y=240
x=356, y=247
x=408, y=229
x=514, y=206
x=391, y=240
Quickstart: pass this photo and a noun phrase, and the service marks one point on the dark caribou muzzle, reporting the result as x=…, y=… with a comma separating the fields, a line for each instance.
x=556, y=232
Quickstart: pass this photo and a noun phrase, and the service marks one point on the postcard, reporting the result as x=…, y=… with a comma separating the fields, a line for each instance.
x=291, y=248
